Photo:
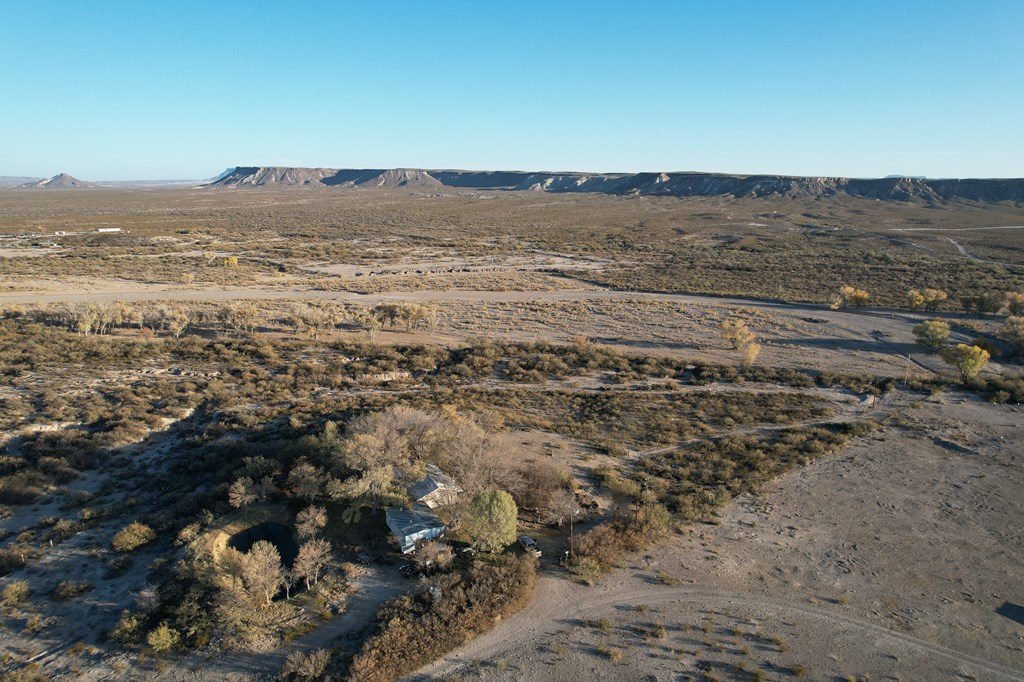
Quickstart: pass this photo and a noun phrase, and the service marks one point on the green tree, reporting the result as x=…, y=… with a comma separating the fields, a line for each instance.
x=968, y=360
x=931, y=333
x=491, y=519
x=990, y=302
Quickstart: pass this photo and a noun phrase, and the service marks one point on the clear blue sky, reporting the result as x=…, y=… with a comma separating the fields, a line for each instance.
x=145, y=90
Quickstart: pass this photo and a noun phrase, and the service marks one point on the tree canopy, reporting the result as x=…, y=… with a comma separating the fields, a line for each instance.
x=491, y=520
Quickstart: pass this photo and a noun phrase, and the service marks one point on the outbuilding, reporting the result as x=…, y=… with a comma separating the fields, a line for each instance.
x=410, y=526
x=435, y=489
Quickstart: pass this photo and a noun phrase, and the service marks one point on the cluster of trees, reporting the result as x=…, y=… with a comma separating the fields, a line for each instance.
x=850, y=297
x=258, y=575
x=410, y=315
x=968, y=359
x=926, y=299
x=99, y=318
x=371, y=463
x=313, y=319
x=993, y=302
x=987, y=302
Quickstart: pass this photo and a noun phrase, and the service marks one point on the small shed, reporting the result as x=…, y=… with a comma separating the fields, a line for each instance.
x=409, y=526
x=435, y=489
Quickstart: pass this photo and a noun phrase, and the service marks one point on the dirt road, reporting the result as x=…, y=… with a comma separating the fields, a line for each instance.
x=891, y=559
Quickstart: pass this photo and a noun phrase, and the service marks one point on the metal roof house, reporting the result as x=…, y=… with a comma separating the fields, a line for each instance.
x=435, y=489
x=410, y=526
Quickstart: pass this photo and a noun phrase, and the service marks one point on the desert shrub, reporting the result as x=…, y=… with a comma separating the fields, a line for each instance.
x=14, y=593
x=22, y=487
x=128, y=630
x=15, y=556
x=1001, y=389
x=132, y=536
x=62, y=529
x=587, y=569
x=413, y=630
x=163, y=638
x=695, y=480
x=69, y=589
x=606, y=544
x=118, y=565
x=541, y=479
x=305, y=666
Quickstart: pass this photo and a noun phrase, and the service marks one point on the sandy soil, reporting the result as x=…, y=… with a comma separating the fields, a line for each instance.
x=875, y=341
x=887, y=561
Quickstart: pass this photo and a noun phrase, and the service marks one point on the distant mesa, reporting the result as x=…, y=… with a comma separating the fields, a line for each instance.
x=60, y=181
x=893, y=188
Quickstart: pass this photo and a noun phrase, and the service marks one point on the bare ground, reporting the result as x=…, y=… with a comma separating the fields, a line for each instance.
x=888, y=561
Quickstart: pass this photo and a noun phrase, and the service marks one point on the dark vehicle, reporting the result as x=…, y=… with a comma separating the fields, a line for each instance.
x=529, y=546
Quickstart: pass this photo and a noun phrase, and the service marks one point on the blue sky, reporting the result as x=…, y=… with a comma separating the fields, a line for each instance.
x=146, y=90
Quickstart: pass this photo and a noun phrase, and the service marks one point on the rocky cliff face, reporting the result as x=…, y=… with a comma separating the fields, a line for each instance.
x=647, y=184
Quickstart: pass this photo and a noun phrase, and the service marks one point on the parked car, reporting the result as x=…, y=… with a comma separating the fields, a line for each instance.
x=529, y=545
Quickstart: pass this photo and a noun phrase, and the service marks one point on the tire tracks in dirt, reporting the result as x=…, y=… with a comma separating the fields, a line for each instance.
x=558, y=601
